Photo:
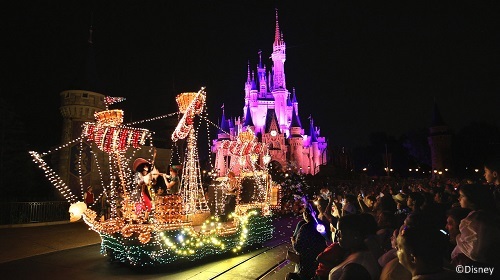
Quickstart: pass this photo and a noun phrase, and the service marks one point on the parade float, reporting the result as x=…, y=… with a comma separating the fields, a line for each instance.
x=186, y=226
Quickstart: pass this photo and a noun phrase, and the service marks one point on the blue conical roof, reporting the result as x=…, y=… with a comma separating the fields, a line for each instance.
x=295, y=119
x=294, y=97
x=313, y=132
x=254, y=84
x=248, y=118
x=224, y=124
x=272, y=121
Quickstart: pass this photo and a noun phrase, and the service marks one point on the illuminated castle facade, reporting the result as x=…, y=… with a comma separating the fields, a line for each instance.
x=271, y=112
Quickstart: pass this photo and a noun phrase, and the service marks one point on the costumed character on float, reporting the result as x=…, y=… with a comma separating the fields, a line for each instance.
x=142, y=195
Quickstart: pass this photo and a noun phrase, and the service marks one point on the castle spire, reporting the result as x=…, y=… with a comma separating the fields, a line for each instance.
x=249, y=77
x=279, y=57
x=277, y=33
x=260, y=59
x=294, y=96
x=224, y=124
x=262, y=76
x=254, y=84
x=313, y=131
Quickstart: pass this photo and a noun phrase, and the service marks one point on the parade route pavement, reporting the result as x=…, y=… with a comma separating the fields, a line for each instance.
x=23, y=241
x=64, y=250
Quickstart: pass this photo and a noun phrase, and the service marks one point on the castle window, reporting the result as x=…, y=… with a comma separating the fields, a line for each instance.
x=275, y=146
x=85, y=95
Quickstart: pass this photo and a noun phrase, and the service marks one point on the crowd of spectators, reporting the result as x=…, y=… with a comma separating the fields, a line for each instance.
x=425, y=229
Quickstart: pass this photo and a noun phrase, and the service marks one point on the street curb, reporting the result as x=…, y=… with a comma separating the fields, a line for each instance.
x=35, y=224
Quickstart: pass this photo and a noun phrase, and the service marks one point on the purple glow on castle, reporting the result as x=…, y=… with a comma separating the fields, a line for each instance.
x=272, y=113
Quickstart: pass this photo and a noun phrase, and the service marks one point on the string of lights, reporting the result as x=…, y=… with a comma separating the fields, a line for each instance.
x=180, y=227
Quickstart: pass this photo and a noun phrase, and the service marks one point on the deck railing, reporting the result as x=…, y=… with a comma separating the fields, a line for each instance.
x=33, y=212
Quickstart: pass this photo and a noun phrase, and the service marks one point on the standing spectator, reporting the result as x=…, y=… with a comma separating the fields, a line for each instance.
x=308, y=244
x=492, y=176
x=492, y=172
x=88, y=196
x=324, y=216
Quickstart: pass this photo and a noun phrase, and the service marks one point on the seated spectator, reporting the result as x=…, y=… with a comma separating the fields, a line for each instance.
x=421, y=250
x=394, y=270
x=366, y=203
x=415, y=201
x=352, y=231
x=453, y=218
x=385, y=203
x=478, y=240
x=329, y=258
x=400, y=200
x=387, y=222
x=390, y=254
x=308, y=243
x=350, y=205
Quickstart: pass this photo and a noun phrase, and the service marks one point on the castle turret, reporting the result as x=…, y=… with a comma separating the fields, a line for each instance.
x=439, y=140
x=224, y=132
x=279, y=90
x=261, y=72
x=295, y=139
x=248, y=85
x=314, y=153
x=232, y=129
x=221, y=156
x=279, y=57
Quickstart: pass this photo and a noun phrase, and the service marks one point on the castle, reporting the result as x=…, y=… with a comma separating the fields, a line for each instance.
x=271, y=113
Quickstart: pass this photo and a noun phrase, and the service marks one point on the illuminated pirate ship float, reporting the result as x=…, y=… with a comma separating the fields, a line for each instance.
x=179, y=227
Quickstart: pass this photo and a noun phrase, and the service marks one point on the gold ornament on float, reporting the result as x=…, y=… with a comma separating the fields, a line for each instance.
x=190, y=104
x=185, y=100
x=109, y=117
x=246, y=136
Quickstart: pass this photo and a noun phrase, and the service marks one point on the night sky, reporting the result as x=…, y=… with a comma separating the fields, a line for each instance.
x=356, y=66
